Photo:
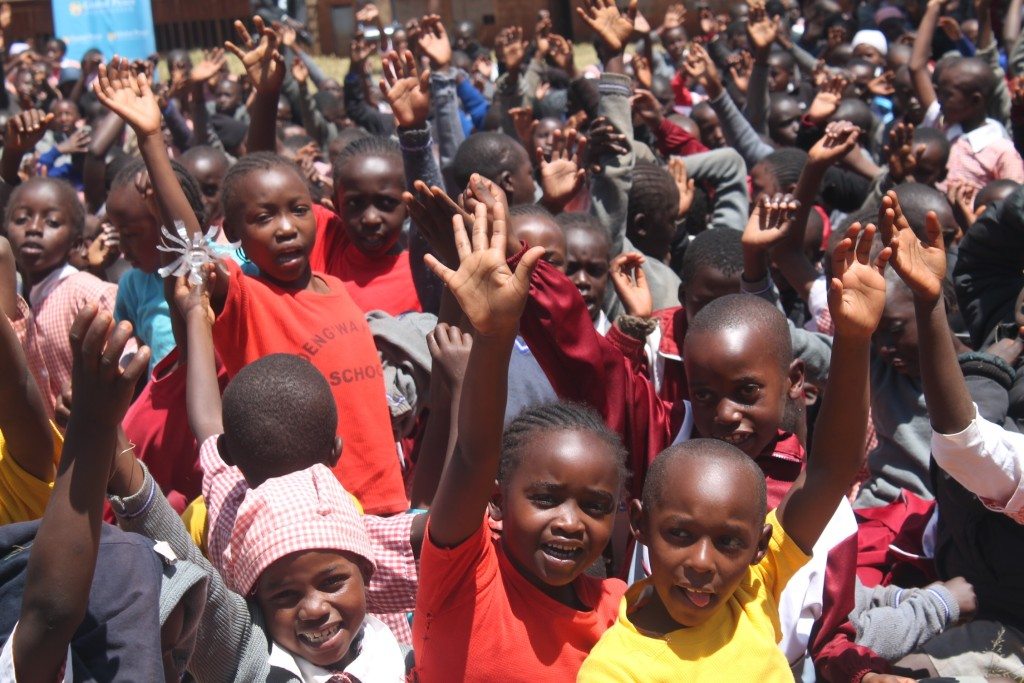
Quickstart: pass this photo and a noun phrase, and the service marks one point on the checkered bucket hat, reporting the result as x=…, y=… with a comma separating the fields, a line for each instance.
x=305, y=510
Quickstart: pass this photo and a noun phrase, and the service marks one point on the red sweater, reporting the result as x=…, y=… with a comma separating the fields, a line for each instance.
x=379, y=283
x=586, y=367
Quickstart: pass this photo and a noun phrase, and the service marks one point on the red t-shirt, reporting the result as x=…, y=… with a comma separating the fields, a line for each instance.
x=329, y=331
x=479, y=619
x=157, y=423
x=375, y=283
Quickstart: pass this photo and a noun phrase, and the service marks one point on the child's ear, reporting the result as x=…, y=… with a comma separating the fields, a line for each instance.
x=796, y=379
x=638, y=521
x=638, y=226
x=811, y=394
x=506, y=183
x=762, y=544
x=339, y=444
x=494, y=505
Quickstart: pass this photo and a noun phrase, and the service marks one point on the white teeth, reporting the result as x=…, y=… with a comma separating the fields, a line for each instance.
x=317, y=637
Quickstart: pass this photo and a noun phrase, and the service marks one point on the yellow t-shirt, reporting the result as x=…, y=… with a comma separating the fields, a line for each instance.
x=739, y=643
x=22, y=496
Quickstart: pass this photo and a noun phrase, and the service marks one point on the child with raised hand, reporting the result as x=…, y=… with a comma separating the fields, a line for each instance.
x=718, y=564
x=287, y=308
x=29, y=445
x=70, y=624
x=44, y=221
x=517, y=608
x=977, y=479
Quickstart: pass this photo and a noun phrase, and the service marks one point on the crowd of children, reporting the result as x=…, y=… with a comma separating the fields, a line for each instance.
x=700, y=362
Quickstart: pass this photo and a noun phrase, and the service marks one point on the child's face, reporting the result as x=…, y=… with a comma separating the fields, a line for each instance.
x=784, y=121
x=369, y=198
x=711, y=134
x=587, y=266
x=895, y=340
x=702, y=537
x=738, y=387
x=209, y=172
x=314, y=603
x=709, y=283
x=544, y=134
x=931, y=165
x=93, y=228
x=521, y=183
x=959, y=103
x=905, y=100
x=869, y=53
x=539, y=231
x=763, y=181
x=65, y=114
x=40, y=231
x=138, y=229
x=558, y=506
x=278, y=227
x=227, y=96
x=674, y=41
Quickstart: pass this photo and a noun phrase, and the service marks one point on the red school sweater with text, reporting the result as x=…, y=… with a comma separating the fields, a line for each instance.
x=331, y=332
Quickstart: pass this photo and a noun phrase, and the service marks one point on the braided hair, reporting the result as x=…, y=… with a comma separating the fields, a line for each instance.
x=555, y=417
x=189, y=185
x=786, y=165
x=257, y=161
x=369, y=146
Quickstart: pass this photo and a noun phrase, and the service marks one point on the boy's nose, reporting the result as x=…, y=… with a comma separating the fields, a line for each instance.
x=700, y=557
x=728, y=413
x=568, y=520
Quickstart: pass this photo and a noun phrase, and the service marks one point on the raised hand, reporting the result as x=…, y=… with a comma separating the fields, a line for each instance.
x=605, y=19
x=838, y=141
x=882, y=85
x=675, y=14
x=647, y=108
x=699, y=67
x=406, y=90
x=489, y=293
x=195, y=299
x=542, y=33
x=827, y=100
x=360, y=50
x=432, y=210
x=433, y=41
x=961, y=196
x=128, y=95
x=856, y=295
x=25, y=130
x=449, y=350
x=603, y=138
x=761, y=29
x=901, y=153
x=562, y=174
x=103, y=251
x=213, y=62
x=741, y=66
x=510, y=48
x=262, y=61
x=101, y=391
x=630, y=283
x=642, y=71
x=771, y=221
x=951, y=27
x=919, y=263
x=524, y=123
x=300, y=72
x=685, y=184
x=76, y=143
x=561, y=53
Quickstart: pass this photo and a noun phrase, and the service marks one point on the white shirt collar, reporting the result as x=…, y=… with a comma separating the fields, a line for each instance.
x=981, y=137
x=42, y=289
x=379, y=660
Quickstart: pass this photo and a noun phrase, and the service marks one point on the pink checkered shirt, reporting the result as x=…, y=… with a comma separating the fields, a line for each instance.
x=43, y=332
x=392, y=590
x=983, y=155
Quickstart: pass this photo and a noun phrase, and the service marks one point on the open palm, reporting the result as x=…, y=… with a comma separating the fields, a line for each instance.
x=604, y=17
x=407, y=91
x=771, y=220
x=262, y=62
x=128, y=95
x=857, y=295
x=490, y=294
x=562, y=175
x=919, y=263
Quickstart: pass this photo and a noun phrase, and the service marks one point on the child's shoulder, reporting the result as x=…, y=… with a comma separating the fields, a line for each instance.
x=84, y=284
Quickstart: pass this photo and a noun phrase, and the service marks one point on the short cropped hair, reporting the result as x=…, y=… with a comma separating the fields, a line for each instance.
x=65, y=191
x=490, y=154
x=695, y=453
x=719, y=248
x=279, y=416
x=746, y=310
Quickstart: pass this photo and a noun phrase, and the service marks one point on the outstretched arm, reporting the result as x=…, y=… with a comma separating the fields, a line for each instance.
x=265, y=67
x=63, y=560
x=492, y=297
x=922, y=52
x=129, y=96
x=856, y=299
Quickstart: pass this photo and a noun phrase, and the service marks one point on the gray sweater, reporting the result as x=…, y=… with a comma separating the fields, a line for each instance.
x=895, y=621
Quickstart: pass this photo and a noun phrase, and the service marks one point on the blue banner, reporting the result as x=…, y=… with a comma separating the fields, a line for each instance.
x=122, y=27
